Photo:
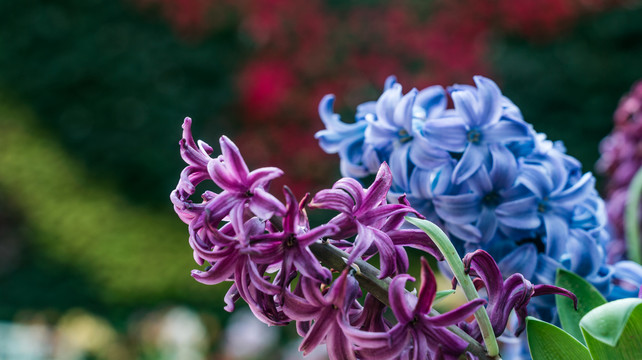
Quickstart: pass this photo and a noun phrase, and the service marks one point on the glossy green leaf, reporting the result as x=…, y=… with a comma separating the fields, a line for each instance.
x=588, y=298
x=548, y=342
x=613, y=331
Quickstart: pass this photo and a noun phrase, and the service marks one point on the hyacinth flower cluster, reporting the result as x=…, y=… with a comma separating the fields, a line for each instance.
x=480, y=171
x=287, y=270
x=620, y=160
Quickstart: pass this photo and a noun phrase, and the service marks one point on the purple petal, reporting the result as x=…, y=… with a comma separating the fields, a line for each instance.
x=333, y=199
x=417, y=239
x=456, y=315
x=220, y=271
x=339, y=348
x=397, y=296
x=551, y=289
x=377, y=192
x=310, y=267
x=224, y=178
x=298, y=308
x=317, y=333
x=265, y=205
x=482, y=264
x=353, y=188
x=317, y=233
x=428, y=289
x=233, y=159
x=261, y=177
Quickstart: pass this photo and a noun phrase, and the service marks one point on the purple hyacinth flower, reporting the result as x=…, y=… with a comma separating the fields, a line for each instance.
x=241, y=186
x=364, y=212
x=427, y=334
x=290, y=246
x=504, y=296
x=330, y=313
x=229, y=251
x=481, y=120
x=197, y=157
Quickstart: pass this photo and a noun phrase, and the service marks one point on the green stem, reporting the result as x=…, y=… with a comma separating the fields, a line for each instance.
x=450, y=254
x=631, y=218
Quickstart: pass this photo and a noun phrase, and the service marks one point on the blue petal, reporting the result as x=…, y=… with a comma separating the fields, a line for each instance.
x=403, y=111
x=519, y=214
x=505, y=131
x=399, y=167
x=466, y=106
x=584, y=254
x=490, y=98
x=521, y=260
x=487, y=224
x=426, y=154
x=458, y=209
x=480, y=182
x=504, y=170
x=576, y=193
x=386, y=105
x=390, y=81
x=474, y=156
x=447, y=133
x=433, y=100
x=556, y=235
x=535, y=178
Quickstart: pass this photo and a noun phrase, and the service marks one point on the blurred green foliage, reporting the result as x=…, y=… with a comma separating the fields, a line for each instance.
x=88, y=245
x=114, y=84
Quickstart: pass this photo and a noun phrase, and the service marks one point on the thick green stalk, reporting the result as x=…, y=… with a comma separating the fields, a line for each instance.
x=450, y=254
x=631, y=219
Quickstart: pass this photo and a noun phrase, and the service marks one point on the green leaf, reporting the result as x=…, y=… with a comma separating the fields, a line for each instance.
x=588, y=298
x=548, y=342
x=614, y=330
x=442, y=294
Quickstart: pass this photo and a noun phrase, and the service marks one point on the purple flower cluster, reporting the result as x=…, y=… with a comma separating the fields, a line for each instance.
x=481, y=173
x=264, y=247
x=621, y=158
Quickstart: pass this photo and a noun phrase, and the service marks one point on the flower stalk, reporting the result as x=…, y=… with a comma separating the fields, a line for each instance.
x=455, y=263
